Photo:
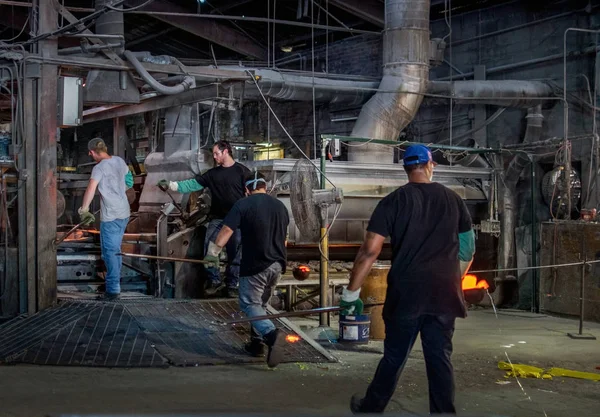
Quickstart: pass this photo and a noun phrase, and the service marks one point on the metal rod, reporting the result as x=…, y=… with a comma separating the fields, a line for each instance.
x=528, y=268
x=255, y=19
x=93, y=35
x=582, y=296
x=29, y=4
x=406, y=144
x=321, y=310
x=164, y=258
x=70, y=232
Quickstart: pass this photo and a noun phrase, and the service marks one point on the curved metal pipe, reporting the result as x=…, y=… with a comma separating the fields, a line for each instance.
x=187, y=83
x=405, y=70
x=168, y=81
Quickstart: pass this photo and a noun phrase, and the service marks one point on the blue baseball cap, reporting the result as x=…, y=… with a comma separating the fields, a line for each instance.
x=417, y=154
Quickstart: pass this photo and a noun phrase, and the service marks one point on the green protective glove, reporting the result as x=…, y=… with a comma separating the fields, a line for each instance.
x=350, y=303
x=128, y=180
x=213, y=261
x=163, y=185
x=87, y=218
x=188, y=186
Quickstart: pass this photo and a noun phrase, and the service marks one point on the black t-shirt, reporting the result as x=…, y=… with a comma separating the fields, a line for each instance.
x=263, y=221
x=423, y=220
x=226, y=187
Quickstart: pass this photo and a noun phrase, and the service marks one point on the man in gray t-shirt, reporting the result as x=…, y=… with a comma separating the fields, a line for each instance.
x=112, y=178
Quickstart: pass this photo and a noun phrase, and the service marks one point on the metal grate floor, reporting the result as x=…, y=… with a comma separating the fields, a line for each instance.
x=139, y=333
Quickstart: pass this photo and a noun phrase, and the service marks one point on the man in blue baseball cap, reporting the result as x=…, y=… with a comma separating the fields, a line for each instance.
x=430, y=230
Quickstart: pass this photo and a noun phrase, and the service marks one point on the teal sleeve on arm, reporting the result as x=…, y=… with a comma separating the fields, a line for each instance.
x=466, y=248
x=188, y=186
x=129, y=180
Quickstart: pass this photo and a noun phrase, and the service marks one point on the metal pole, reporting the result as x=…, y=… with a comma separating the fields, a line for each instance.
x=324, y=246
x=535, y=307
x=293, y=314
x=581, y=296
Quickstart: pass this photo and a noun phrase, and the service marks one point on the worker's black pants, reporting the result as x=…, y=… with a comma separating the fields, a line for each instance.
x=400, y=335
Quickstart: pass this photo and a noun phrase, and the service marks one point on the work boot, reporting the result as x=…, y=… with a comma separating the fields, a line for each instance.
x=256, y=348
x=275, y=340
x=356, y=403
x=231, y=292
x=214, y=288
x=107, y=296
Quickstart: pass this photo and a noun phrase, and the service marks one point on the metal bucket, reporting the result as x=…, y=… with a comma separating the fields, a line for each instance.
x=354, y=329
x=373, y=291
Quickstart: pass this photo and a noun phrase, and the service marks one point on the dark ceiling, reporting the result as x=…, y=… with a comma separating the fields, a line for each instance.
x=201, y=39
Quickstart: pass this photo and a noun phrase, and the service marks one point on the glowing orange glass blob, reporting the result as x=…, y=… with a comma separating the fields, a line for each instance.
x=469, y=282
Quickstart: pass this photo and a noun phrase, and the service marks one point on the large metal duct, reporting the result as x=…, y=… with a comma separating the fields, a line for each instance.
x=405, y=76
x=292, y=87
x=508, y=213
x=505, y=93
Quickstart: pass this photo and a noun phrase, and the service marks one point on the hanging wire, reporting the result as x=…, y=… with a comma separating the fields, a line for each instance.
x=20, y=33
x=285, y=130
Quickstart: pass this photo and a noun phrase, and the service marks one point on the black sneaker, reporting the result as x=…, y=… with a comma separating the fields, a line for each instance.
x=275, y=340
x=255, y=348
x=356, y=404
x=107, y=296
x=231, y=292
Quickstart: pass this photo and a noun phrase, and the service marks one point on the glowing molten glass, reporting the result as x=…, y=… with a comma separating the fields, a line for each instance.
x=469, y=282
x=292, y=338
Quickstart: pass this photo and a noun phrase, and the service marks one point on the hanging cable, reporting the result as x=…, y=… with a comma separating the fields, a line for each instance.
x=20, y=33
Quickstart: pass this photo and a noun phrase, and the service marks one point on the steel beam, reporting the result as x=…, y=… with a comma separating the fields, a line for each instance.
x=46, y=159
x=370, y=10
x=162, y=102
x=208, y=29
x=27, y=200
x=119, y=133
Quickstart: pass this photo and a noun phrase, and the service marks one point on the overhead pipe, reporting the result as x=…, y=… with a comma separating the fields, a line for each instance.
x=505, y=93
x=405, y=71
x=187, y=83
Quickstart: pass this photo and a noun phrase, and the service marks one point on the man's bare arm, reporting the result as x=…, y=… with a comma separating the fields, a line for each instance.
x=89, y=194
x=223, y=236
x=367, y=255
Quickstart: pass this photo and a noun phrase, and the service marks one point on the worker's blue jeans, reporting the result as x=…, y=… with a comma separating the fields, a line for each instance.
x=234, y=254
x=111, y=236
x=400, y=335
x=255, y=293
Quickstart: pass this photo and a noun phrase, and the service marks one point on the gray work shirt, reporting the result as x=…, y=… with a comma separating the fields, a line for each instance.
x=110, y=174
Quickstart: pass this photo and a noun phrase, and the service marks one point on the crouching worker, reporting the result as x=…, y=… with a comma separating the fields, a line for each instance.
x=263, y=221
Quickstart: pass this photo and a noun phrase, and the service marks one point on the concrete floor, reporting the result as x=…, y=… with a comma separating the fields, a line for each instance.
x=326, y=389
